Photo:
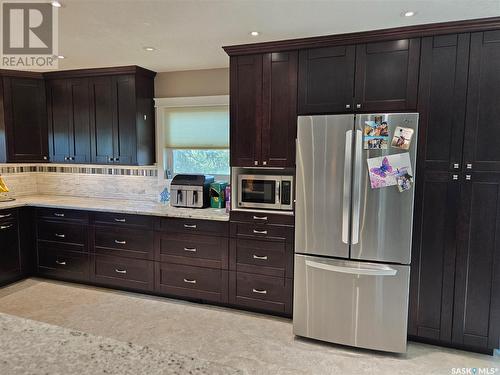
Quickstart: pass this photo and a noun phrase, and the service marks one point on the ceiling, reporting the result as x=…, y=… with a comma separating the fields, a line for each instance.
x=188, y=34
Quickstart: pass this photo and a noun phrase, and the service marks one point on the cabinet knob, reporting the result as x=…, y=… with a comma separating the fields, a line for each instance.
x=117, y=159
x=45, y=158
x=66, y=158
x=468, y=165
x=456, y=165
x=264, y=163
x=256, y=162
x=468, y=177
x=71, y=158
x=111, y=159
x=455, y=177
x=348, y=106
x=358, y=106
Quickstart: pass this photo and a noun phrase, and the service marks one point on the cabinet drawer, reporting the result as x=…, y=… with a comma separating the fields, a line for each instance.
x=261, y=292
x=130, y=243
x=125, y=220
x=63, y=232
x=192, y=282
x=123, y=272
x=270, y=258
x=193, y=250
x=262, y=218
x=61, y=263
x=7, y=216
x=195, y=226
x=268, y=232
x=63, y=215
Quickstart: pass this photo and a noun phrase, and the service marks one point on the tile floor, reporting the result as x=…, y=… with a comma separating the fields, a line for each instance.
x=254, y=343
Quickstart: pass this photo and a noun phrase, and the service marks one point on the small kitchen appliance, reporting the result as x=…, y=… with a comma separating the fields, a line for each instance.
x=190, y=190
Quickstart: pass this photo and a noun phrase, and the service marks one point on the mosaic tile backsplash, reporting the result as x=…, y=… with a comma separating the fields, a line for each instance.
x=136, y=183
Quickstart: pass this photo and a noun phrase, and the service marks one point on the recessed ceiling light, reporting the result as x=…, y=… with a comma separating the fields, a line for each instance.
x=56, y=4
x=254, y=33
x=409, y=13
x=149, y=49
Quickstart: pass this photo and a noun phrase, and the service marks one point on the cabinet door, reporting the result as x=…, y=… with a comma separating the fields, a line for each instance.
x=442, y=100
x=59, y=120
x=387, y=76
x=326, y=80
x=80, y=148
x=476, y=319
x=246, y=110
x=10, y=266
x=25, y=119
x=482, y=137
x=279, y=127
x=102, y=119
x=124, y=141
x=433, y=256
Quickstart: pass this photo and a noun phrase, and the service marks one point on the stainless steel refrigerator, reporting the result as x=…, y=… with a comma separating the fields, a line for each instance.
x=352, y=240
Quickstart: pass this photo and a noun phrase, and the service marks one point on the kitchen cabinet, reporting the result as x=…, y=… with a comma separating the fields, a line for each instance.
x=69, y=120
x=442, y=101
x=23, y=123
x=263, y=110
x=481, y=151
x=10, y=260
x=369, y=77
x=454, y=297
x=102, y=116
x=261, y=262
x=476, y=318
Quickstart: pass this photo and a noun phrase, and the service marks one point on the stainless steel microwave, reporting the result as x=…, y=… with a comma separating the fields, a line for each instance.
x=266, y=192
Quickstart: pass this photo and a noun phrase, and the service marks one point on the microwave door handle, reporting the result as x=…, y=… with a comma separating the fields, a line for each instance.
x=278, y=192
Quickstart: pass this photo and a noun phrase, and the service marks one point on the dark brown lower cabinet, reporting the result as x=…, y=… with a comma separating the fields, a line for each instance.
x=10, y=262
x=128, y=273
x=455, y=281
x=207, y=284
x=259, y=292
x=55, y=261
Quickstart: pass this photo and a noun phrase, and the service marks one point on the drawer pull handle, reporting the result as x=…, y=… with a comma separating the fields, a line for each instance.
x=60, y=235
x=58, y=214
x=191, y=226
x=191, y=249
x=61, y=262
x=120, y=242
x=3, y=227
x=190, y=281
x=120, y=220
x=261, y=257
x=260, y=231
x=4, y=216
x=259, y=291
x=260, y=218
x=120, y=271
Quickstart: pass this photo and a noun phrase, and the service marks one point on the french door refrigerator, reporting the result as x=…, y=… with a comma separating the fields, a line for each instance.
x=352, y=241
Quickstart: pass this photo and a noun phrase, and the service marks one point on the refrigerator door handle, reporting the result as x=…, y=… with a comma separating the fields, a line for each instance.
x=382, y=271
x=346, y=197
x=356, y=199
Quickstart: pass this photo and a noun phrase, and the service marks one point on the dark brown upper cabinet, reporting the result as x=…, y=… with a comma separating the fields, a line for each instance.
x=372, y=77
x=102, y=116
x=326, y=79
x=263, y=110
x=476, y=318
x=69, y=120
x=442, y=101
x=481, y=151
x=23, y=123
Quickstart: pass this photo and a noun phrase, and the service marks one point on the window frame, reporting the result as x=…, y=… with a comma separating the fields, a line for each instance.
x=164, y=156
x=169, y=164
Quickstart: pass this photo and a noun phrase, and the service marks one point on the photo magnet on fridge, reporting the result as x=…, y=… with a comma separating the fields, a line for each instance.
x=404, y=179
x=376, y=134
x=402, y=138
x=382, y=170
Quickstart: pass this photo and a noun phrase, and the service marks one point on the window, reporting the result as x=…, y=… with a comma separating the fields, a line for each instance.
x=197, y=140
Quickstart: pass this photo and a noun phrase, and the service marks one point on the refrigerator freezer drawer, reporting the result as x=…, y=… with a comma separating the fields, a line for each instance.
x=351, y=303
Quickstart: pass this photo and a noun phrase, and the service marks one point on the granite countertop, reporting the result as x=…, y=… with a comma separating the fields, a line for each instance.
x=116, y=205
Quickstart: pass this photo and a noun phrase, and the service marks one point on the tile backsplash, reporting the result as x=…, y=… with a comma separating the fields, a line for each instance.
x=136, y=183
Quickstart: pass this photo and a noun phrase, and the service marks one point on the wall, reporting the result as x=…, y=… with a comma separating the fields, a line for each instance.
x=192, y=83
